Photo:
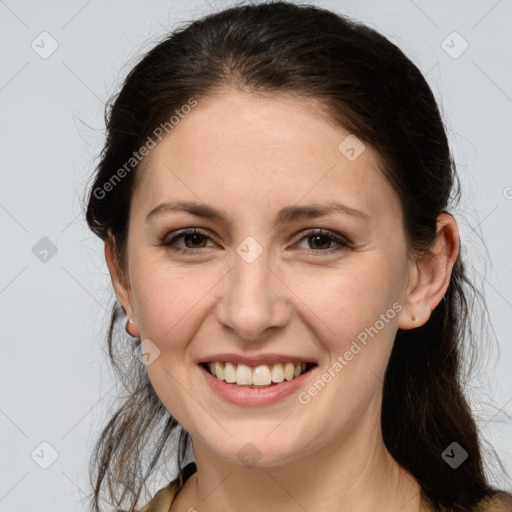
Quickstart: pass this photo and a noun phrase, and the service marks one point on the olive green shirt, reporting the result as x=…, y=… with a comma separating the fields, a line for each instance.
x=161, y=502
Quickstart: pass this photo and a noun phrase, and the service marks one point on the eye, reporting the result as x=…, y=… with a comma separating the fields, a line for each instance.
x=322, y=239
x=194, y=235
x=196, y=239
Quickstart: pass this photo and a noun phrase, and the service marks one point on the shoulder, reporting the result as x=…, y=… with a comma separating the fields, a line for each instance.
x=500, y=501
x=162, y=500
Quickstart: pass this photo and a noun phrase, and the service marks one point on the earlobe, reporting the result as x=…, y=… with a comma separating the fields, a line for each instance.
x=123, y=321
x=120, y=283
x=432, y=274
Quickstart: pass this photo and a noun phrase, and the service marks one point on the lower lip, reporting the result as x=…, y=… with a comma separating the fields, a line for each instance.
x=241, y=395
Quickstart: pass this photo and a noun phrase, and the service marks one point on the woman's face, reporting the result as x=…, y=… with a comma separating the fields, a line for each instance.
x=257, y=282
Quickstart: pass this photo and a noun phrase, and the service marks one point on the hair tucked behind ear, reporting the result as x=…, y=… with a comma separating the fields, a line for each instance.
x=369, y=87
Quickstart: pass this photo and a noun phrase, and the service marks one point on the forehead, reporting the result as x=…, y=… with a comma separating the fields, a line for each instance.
x=234, y=145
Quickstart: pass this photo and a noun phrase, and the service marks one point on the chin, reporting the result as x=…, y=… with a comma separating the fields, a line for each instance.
x=257, y=451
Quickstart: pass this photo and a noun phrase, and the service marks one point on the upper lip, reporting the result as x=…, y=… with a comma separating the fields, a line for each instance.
x=255, y=360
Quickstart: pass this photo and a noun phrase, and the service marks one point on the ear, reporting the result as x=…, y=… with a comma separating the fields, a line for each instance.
x=430, y=275
x=121, y=284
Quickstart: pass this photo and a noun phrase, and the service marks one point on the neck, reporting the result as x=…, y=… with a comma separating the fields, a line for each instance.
x=354, y=473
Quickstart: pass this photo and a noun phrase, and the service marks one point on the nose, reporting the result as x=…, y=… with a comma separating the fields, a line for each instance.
x=254, y=300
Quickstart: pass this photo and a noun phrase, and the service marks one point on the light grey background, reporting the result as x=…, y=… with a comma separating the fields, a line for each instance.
x=56, y=387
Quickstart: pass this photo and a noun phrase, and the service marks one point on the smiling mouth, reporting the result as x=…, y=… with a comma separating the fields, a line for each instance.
x=262, y=376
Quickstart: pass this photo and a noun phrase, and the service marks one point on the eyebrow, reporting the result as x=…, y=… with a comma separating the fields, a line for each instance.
x=287, y=214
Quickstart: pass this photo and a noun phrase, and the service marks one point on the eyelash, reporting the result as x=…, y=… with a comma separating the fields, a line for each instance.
x=344, y=244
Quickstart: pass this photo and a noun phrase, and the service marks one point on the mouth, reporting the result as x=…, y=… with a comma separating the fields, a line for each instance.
x=256, y=377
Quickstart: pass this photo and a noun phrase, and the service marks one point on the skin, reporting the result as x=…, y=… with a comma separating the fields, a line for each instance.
x=250, y=157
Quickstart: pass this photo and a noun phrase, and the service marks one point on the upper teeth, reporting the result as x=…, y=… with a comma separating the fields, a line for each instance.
x=262, y=375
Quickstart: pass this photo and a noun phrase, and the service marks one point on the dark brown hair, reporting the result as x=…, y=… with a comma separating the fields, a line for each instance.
x=369, y=87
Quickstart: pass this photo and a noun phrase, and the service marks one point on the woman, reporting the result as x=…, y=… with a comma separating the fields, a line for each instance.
x=273, y=197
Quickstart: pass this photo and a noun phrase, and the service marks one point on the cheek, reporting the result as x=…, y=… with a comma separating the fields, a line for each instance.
x=347, y=300
x=171, y=308
x=354, y=316
x=168, y=302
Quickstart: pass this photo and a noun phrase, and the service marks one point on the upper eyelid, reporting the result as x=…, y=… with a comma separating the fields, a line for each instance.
x=189, y=231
